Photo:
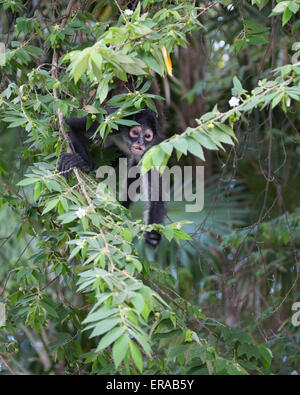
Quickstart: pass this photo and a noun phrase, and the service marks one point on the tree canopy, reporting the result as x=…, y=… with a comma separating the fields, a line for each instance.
x=80, y=293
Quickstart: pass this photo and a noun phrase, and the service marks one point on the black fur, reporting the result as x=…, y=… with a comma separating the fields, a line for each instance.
x=80, y=156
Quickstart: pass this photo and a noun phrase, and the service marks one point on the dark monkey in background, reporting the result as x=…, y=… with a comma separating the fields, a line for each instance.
x=133, y=141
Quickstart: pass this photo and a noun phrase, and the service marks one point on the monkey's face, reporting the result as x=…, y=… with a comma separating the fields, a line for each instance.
x=141, y=139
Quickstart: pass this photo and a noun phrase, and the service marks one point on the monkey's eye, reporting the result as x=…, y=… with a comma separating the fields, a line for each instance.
x=148, y=135
x=134, y=133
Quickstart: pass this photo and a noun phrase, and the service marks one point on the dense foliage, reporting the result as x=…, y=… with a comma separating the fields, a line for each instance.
x=79, y=291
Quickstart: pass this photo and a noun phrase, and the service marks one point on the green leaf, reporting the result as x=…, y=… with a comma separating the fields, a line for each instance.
x=97, y=59
x=136, y=356
x=220, y=365
x=37, y=189
x=62, y=338
x=226, y=129
x=294, y=7
x=120, y=348
x=73, y=253
x=204, y=140
x=277, y=99
x=279, y=9
x=153, y=64
x=178, y=349
x=22, y=272
x=35, y=51
x=50, y=205
x=105, y=326
x=110, y=337
x=147, y=162
x=219, y=136
x=91, y=109
x=195, y=148
x=157, y=156
x=144, y=342
x=238, y=89
x=50, y=310
x=180, y=234
x=64, y=203
x=138, y=302
x=102, y=90
x=126, y=122
x=180, y=144
x=167, y=148
x=27, y=181
x=286, y=16
x=266, y=354
x=168, y=232
x=138, y=265
x=127, y=235
x=100, y=315
x=235, y=369
x=80, y=66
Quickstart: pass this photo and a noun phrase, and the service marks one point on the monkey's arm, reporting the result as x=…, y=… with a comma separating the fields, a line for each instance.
x=80, y=155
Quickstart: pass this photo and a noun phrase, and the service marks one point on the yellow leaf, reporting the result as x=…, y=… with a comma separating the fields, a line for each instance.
x=167, y=60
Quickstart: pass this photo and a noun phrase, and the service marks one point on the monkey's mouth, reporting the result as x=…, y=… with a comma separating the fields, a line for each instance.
x=137, y=149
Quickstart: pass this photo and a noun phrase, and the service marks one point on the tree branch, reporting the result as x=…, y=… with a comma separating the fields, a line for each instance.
x=9, y=188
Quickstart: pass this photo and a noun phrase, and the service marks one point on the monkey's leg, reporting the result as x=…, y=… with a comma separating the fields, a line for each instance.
x=156, y=211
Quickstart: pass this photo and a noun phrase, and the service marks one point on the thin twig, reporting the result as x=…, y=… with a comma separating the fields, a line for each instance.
x=15, y=265
x=178, y=305
x=207, y=8
x=8, y=187
x=7, y=366
x=269, y=176
x=121, y=11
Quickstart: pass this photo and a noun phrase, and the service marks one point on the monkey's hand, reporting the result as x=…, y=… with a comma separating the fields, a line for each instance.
x=68, y=161
x=152, y=238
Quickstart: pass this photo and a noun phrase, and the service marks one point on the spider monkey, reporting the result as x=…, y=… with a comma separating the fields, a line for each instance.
x=133, y=142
